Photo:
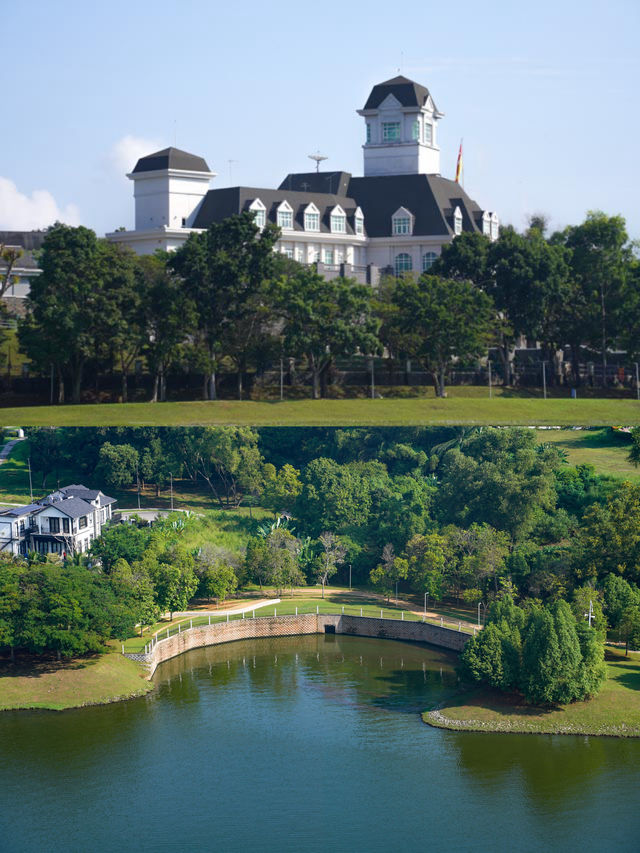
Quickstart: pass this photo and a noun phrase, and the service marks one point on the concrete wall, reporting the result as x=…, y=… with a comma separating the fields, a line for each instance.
x=308, y=623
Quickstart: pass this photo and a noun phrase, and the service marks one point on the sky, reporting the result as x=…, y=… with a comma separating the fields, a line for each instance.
x=543, y=94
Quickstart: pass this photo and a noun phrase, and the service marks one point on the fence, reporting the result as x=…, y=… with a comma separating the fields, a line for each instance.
x=289, y=609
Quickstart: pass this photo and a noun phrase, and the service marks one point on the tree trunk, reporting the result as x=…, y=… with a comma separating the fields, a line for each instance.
x=76, y=384
x=156, y=383
x=604, y=337
x=213, y=391
x=315, y=379
x=60, y=386
x=163, y=387
x=124, y=387
x=205, y=386
x=240, y=388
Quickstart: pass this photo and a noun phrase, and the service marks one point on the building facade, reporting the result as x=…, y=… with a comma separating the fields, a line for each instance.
x=396, y=217
x=65, y=522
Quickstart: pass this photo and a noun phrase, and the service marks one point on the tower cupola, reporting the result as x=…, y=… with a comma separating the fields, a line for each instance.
x=169, y=186
x=401, y=130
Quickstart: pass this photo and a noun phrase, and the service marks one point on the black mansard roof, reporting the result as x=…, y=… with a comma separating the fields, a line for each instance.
x=171, y=158
x=220, y=204
x=431, y=199
x=409, y=93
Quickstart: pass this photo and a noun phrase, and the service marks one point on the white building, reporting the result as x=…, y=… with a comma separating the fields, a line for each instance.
x=65, y=522
x=397, y=216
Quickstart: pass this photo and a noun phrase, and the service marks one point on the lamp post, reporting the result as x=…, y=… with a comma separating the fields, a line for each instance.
x=349, y=577
x=489, y=367
x=637, y=382
x=426, y=598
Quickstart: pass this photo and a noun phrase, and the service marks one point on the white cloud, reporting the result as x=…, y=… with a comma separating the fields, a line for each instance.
x=126, y=152
x=20, y=212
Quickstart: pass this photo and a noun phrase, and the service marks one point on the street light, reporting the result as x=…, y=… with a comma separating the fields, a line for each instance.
x=349, y=576
x=426, y=598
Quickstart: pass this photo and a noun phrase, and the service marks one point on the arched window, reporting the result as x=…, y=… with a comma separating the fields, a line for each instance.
x=428, y=260
x=403, y=263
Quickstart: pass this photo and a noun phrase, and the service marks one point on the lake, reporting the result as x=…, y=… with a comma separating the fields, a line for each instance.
x=310, y=743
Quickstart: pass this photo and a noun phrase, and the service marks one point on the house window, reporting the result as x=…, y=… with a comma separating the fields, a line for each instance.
x=359, y=225
x=494, y=227
x=390, y=131
x=82, y=521
x=338, y=223
x=428, y=133
x=403, y=263
x=285, y=219
x=311, y=221
x=428, y=260
x=22, y=527
x=368, y=132
x=65, y=525
x=299, y=254
x=54, y=525
x=415, y=131
x=457, y=221
x=287, y=251
x=260, y=218
x=486, y=225
x=327, y=255
x=402, y=225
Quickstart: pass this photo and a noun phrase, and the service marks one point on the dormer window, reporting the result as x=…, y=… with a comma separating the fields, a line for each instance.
x=415, y=131
x=486, y=224
x=391, y=131
x=494, y=226
x=457, y=221
x=338, y=221
x=259, y=213
x=311, y=218
x=428, y=133
x=402, y=222
x=285, y=216
x=359, y=223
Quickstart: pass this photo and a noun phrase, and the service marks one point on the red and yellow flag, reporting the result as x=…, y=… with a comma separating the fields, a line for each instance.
x=459, y=165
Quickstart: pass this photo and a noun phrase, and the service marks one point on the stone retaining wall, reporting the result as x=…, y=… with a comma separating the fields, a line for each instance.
x=290, y=626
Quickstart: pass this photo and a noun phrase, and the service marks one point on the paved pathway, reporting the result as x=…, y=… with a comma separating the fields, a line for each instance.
x=6, y=450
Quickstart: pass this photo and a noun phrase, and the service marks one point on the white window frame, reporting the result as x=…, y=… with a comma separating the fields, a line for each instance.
x=358, y=223
x=390, y=136
x=415, y=131
x=259, y=212
x=428, y=133
x=369, y=136
x=400, y=267
x=495, y=226
x=311, y=211
x=328, y=255
x=338, y=220
x=486, y=224
x=428, y=260
x=457, y=221
x=285, y=210
x=402, y=223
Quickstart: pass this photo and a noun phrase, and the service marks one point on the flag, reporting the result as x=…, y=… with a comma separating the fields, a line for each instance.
x=459, y=165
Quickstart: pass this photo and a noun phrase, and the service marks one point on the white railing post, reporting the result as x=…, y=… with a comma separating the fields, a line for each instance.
x=459, y=626
x=317, y=609
x=441, y=622
x=178, y=627
x=123, y=648
x=402, y=617
x=381, y=614
x=191, y=625
x=243, y=614
x=254, y=614
x=361, y=611
x=296, y=609
x=209, y=619
x=343, y=609
x=227, y=617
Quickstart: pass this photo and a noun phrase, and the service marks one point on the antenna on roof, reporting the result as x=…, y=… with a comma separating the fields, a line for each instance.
x=318, y=157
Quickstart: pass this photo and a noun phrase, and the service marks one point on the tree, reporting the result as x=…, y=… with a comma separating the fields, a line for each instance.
x=174, y=580
x=9, y=256
x=117, y=464
x=438, y=320
x=609, y=540
x=323, y=319
x=123, y=541
x=281, y=489
x=224, y=271
x=427, y=557
x=133, y=585
x=387, y=573
x=45, y=450
x=215, y=569
x=332, y=555
x=169, y=316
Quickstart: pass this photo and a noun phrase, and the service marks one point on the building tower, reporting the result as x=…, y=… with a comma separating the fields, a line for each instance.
x=401, y=130
x=168, y=189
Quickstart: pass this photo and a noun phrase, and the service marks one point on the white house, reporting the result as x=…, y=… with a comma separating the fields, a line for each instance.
x=65, y=522
x=397, y=216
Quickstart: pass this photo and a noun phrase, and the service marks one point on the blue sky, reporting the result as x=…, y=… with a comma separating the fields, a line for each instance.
x=544, y=95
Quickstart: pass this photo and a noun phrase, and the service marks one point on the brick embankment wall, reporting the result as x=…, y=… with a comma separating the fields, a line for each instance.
x=290, y=626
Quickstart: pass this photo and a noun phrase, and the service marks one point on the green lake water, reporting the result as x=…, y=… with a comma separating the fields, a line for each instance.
x=305, y=744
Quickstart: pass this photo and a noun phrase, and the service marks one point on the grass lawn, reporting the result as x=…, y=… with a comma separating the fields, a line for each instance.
x=456, y=409
x=71, y=684
x=614, y=711
x=605, y=449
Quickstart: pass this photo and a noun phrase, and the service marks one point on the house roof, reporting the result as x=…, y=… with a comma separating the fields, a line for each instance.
x=430, y=198
x=77, y=490
x=18, y=511
x=171, y=158
x=73, y=507
x=220, y=204
x=407, y=92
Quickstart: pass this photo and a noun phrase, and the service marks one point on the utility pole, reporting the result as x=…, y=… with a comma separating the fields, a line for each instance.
x=396, y=591
x=489, y=366
x=349, y=576
x=426, y=597
x=138, y=484
x=637, y=382
x=589, y=615
x=30, y=482
x=544, y=379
